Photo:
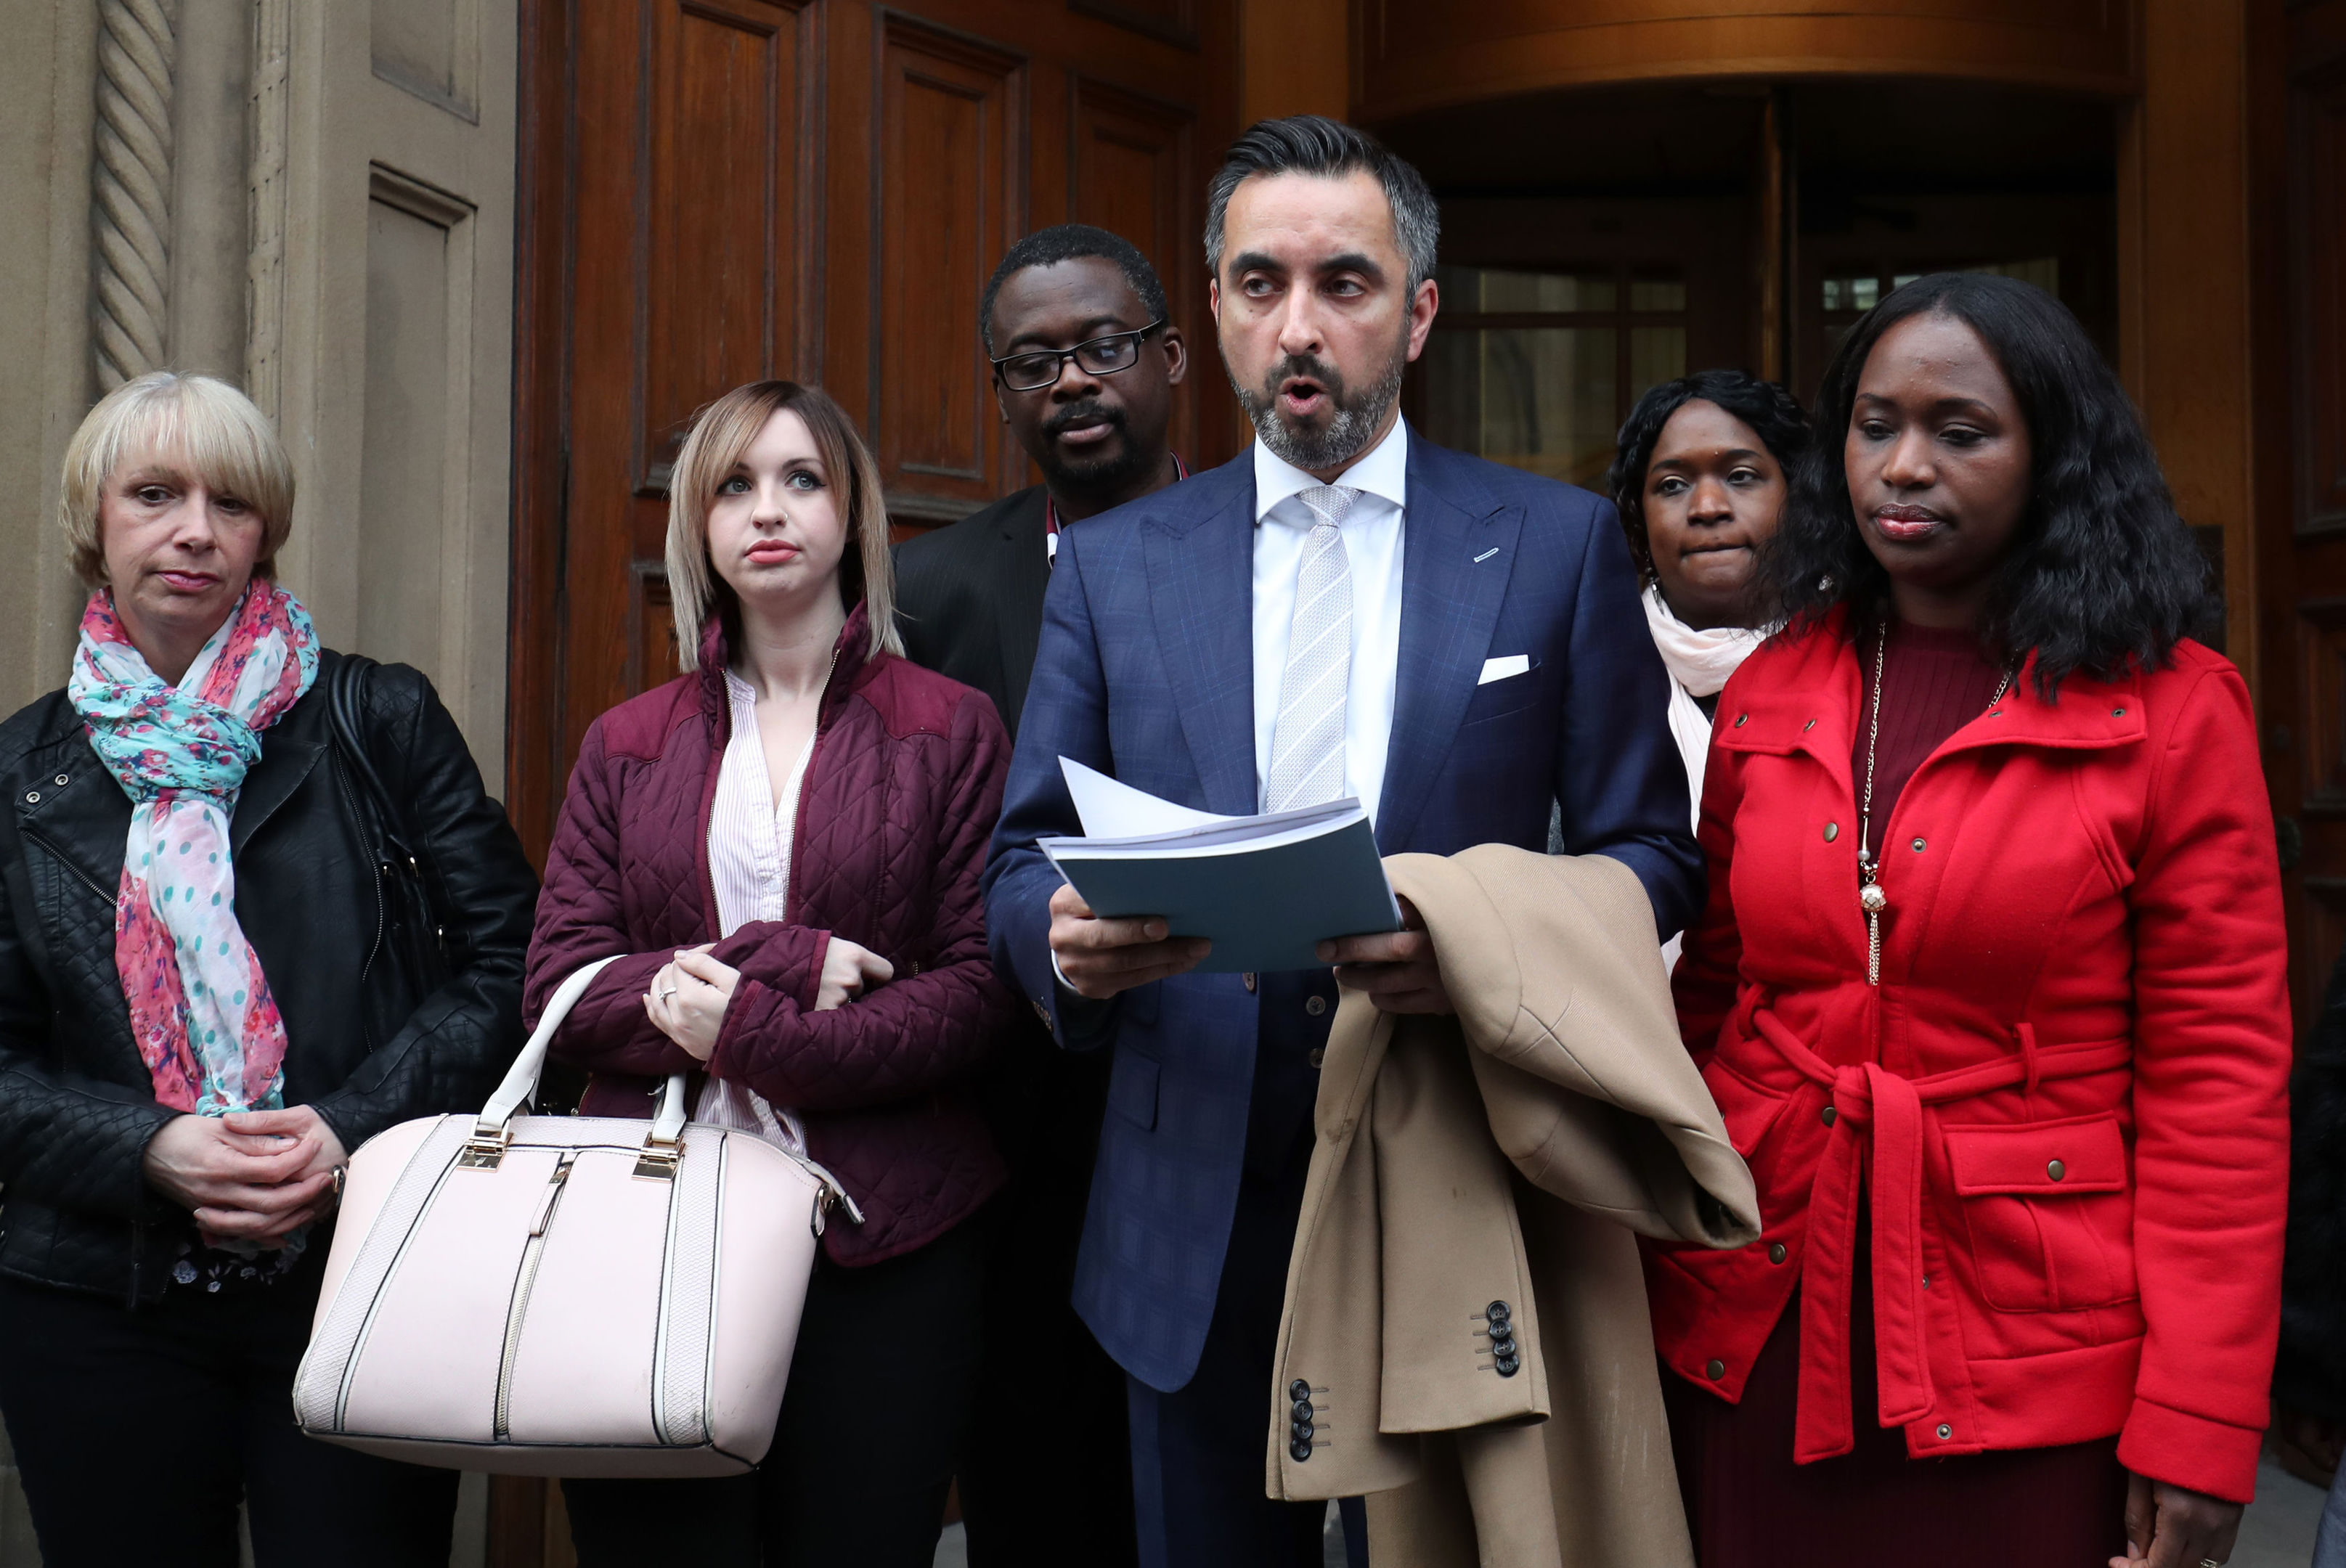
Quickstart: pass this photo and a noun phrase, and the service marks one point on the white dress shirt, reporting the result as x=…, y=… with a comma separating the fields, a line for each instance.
x=1373, y=546
x=750, y=840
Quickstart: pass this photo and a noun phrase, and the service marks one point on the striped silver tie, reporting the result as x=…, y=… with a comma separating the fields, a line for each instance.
x=1306, y=741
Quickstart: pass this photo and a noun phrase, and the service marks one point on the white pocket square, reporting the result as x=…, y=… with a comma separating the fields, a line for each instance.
x=1500, y=669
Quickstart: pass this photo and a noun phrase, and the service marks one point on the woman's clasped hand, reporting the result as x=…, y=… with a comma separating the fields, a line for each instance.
x=688, y=996
x=687, y=999
x=251, y=1176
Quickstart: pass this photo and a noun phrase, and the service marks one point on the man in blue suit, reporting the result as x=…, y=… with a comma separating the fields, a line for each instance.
x=1345, y=610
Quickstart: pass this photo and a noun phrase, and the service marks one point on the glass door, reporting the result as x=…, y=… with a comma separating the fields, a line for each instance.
x=1537, y=369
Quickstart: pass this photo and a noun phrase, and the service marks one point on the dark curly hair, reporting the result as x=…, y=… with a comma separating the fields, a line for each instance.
x=2103, y=576
x=1773, y=414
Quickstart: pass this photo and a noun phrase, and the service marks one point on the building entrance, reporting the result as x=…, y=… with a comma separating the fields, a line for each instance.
x=1599, y=241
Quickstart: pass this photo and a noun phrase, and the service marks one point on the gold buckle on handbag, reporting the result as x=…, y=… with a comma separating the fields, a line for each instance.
x=486, y=1148
x=657, y=1158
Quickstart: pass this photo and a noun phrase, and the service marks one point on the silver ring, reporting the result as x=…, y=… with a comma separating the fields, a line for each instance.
x=671, y=991
x=2210, y=1562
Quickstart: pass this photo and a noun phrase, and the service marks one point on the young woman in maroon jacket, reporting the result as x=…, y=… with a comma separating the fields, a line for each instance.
x=1989, y=989
x=784, y=842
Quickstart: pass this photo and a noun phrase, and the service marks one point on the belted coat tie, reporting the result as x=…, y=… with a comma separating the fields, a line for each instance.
x=2061, y=1113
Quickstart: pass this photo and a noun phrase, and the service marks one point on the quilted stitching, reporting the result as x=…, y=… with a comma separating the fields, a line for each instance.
x=898, y=805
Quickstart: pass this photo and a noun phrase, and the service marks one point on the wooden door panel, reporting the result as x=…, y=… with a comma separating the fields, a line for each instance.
x=722, y=271
x=951, y=132
x=604, y=308
x=2317, y=240
x=2304, y=598
x=1130, y=171
x=2302, y=584
x=2321, y=675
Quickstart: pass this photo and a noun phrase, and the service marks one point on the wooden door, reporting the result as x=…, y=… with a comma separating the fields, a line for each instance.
x=718, y=191
x=2304, y=559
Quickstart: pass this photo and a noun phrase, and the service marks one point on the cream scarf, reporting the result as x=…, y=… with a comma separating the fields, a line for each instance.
x=1700, y=663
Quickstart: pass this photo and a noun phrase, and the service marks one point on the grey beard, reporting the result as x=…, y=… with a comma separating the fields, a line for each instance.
x=1348, y=434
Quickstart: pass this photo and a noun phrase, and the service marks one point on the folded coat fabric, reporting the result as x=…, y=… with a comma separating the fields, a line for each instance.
x=1483, y=1177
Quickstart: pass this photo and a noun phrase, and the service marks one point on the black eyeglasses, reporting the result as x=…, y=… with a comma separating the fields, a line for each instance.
x=1034, y=370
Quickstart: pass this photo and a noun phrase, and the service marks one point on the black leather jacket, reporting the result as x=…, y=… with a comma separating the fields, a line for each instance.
x=77, y=1102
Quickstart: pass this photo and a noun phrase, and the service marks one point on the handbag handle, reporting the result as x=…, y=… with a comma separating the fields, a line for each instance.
x=489, y=1132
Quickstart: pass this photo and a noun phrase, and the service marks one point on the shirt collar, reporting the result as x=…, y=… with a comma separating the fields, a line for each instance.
x=1051, y=510
x=1383, y=471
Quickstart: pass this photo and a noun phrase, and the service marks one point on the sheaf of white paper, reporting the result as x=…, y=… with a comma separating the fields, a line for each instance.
x=1113, y=811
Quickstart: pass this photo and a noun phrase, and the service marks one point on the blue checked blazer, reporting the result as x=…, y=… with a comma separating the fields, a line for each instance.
x=1146, y=672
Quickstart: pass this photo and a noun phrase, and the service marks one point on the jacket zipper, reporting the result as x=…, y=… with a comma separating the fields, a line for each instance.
x=518, y=1313
x=791, y=905
x=68, y=862
x=381, y=911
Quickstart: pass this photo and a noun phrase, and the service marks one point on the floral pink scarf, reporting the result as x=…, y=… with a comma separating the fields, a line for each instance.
x=200, y=1007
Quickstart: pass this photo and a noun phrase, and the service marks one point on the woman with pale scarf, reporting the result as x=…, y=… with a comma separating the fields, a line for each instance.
x=210, y=992
x=1698, y=477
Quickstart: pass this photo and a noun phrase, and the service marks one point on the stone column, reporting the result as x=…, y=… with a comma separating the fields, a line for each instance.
x=130, y=207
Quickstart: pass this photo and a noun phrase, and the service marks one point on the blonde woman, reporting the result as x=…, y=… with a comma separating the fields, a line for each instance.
x=785, y=843
x=201, y=1010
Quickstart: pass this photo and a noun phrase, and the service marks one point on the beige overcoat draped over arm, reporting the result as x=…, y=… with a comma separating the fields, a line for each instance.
x=1506, y=1154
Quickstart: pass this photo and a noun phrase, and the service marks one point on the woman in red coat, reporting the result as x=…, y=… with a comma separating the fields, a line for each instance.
x=783, y=845
x=1989, y=989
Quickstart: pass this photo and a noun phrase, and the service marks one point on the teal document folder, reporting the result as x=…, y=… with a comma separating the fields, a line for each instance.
x=1264, y=889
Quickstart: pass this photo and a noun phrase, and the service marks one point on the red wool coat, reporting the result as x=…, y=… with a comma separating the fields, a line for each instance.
x=2063, y=1112
x=894, y=814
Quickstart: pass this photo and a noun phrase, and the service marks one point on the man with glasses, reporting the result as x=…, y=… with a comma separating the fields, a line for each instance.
x=1085, y=364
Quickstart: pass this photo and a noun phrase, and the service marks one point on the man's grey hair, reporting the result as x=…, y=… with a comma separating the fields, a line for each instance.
x=1313, y=144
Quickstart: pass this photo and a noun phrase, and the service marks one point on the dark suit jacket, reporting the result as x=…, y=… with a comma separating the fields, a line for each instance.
x=969, y=598
x=1146, y=672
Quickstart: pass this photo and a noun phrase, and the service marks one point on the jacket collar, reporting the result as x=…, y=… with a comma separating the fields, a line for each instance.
x=1810, y=696
x=1458, y=550
x=850, y=655
x=65, y=796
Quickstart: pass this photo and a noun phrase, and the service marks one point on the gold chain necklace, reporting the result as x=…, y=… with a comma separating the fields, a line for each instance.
x=1870, y=896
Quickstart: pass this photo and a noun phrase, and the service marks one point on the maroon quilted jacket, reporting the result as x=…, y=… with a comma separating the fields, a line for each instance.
x=898, y=803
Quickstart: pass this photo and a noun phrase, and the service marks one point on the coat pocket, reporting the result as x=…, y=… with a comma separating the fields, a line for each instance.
x=2049, y=1207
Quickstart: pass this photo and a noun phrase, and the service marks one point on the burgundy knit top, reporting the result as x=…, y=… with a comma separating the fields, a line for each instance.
x=1934, y=682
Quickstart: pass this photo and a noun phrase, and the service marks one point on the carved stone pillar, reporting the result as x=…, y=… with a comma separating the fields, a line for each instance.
x=130, y=207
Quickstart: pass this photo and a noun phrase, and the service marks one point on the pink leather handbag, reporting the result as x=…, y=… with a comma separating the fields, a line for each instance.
x=564, y=1295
